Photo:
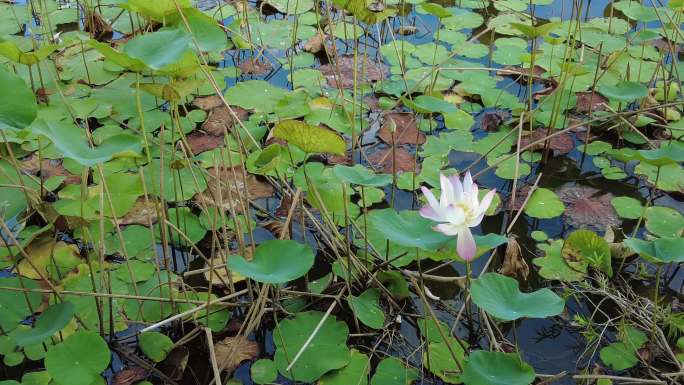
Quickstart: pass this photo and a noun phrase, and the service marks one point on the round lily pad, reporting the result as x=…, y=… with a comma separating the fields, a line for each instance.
x=500, y=296
x=627, y=207
x=275, y=261
x=664, y=221
x=155, y=345
x=544, y=204
x=625, y=91
x=495, y=368
x=391, y=371
x=366, y=308
x=78, y=360
x=327, y=350
x=263, y=371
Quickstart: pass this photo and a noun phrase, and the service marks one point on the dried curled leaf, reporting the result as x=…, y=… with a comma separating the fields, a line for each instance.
x=514, y=264
x=231, y=351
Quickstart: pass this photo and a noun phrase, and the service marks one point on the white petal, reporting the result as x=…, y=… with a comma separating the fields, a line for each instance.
x=432, y=201
x=447, y=196
x=448, y=229
x=455, y=215
x=465, y=245
x=486, y=201
x=458, y=187
x=467, y=183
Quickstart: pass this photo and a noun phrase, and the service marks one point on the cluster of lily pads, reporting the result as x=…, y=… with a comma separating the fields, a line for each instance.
x=144, y=143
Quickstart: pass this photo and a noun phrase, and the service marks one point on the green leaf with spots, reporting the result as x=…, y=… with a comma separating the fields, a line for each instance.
x=544, y=204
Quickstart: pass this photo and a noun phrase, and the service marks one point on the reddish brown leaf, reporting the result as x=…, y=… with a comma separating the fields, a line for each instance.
x=55, y=167
x=590, y=101
x=200, y=142
x=383, y=160
x=367, y=70
x=406, y=131
x=562, y=143
x=492, y=120
x=315, y=43
x=129, y=376
x=339, y=159
x=229, y=188
x=220, y=119
x=231, y=351
x=588, y=207
x=255, y=67
x=514, y=264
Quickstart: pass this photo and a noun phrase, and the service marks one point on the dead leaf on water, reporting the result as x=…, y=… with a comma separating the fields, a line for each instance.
x=231, y=351
x=514, y=264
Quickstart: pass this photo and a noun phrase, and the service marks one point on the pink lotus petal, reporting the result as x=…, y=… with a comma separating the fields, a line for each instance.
x=465, y=244
x=429, y=213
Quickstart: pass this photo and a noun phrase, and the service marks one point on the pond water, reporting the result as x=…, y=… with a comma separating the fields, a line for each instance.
x=477, y=131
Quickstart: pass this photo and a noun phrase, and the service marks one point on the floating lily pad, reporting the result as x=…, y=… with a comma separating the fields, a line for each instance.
x=664, y=221
x=361, y=175
x=15, y=306
x=330, y=342
x=627, y=207
x=495, y=368
x=391, y=371
x=623, y=355
x=367, y=309
x=661, y=250
x=586, y=247
x=356, y=371
x=544, y=204
x=553, y=266
x=78, y=360
x=500, y=296
x=440, y=361
x=156, y=346
x=309, y=138
x=625, y=91
x=263, y=371
x=275, y=261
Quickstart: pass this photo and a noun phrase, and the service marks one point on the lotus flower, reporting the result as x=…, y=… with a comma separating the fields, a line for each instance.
x=457, y=210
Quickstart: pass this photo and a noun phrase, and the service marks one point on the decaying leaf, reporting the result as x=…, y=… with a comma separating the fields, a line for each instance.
x=176, y=362
x=231, y=351
x=400, y=128
x=143, y=212
x=229, y=188
x=590, y=101
x=588, y=207
x=562, y=143
x=383, y=160
x=315, y=43
x=200, y=142
x=492, y=120
x=514, y=264
x=255, y=67
x=207, y=103
x=129, y=376
x=367, y=71
x=220, y=119
x=220, y=275
x=406, y=30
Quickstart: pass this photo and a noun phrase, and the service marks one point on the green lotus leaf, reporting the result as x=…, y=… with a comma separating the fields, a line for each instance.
x=426, y=104
x=408, y=229
x=441, y=362
x=500, y=296
x=309, y=138
x=327, y=350
x=17, y=108
x=361, y=175
x=263, y=371
x=544, y=204
x=52, y=320
x=625, y=91
x=391, y=371
x=627, y=207
x=668, y=152
x=15, y=306
x=158, y=10
x=156, y=346
x=660, y=250
x=275, y=261
x=553, y=266
x=159, y=49
x=70, y=140
x=664, y=221
x=355, y=373
x=624, y=354
x=367, y=309
x=496, y=368
x=258, y=95
x=586, y=247
x=78, y=360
